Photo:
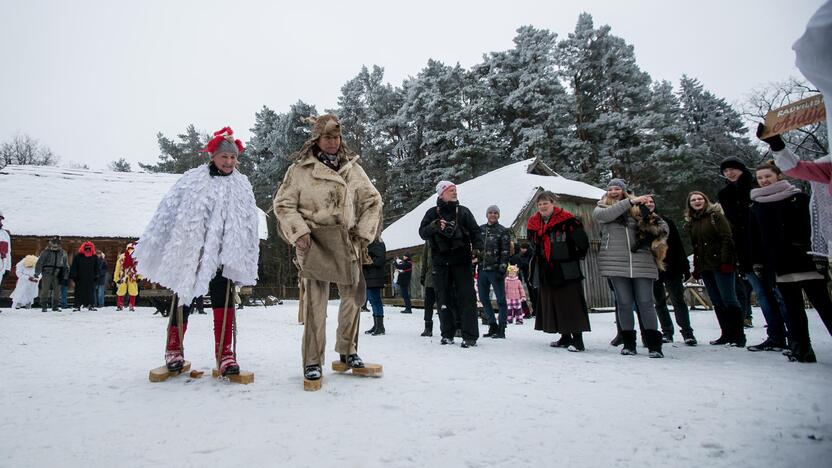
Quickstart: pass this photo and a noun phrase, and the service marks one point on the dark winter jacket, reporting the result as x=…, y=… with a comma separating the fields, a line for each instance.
x=452, y=247
x=103, y=270
x=568, y=246
x=405, y=267
x=375, y=273
x=496, y=241
x=424, y=278
x=785, y=235
x=710, y=236
x=522, y=262
x=735, y=199
x=53, y=261
x=676, y=260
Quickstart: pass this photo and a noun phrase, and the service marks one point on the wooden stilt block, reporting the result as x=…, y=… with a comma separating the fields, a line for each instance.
x=244, y=377
x=197, y=374
x=160, y=374
x=312, y=385
x=369, y=370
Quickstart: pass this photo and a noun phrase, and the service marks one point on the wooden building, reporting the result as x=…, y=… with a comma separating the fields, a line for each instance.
x=110, y=209
x=514, y=189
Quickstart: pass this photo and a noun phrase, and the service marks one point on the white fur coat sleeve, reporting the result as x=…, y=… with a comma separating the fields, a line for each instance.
x=202, y=223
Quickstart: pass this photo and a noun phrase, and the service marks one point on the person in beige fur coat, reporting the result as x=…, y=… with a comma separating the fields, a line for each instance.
x=329, y=210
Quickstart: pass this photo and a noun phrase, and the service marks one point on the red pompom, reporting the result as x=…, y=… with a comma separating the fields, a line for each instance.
x=225, y=133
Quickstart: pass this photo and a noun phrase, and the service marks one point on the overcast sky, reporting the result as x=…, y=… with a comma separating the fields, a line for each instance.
x=96, y=80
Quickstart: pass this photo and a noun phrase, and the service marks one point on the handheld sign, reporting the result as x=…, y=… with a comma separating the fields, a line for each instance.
x=795, y=115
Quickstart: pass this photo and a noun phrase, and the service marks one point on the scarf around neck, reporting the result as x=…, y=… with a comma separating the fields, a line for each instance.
x=540, y=229
x=778, y=191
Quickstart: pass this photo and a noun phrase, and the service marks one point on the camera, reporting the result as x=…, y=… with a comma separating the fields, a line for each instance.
x=450, y=228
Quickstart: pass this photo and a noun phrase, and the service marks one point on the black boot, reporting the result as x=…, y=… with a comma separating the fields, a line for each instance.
x=802, y=351
x=577, y=344
x=375, y=324
x=617, y=341
x=379, y=326
x=628, y=338
x=690, y=340
x=492, y=330
x=428, y=329
x=724, y=326
x=564, y=341
x=654, y=343
x=501, y=332
x=737, y=327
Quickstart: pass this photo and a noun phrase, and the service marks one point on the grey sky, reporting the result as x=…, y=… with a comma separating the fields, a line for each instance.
x=96, y=80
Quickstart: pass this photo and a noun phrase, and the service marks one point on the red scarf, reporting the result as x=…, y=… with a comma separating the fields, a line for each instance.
x=540, y=231
x=129, y=263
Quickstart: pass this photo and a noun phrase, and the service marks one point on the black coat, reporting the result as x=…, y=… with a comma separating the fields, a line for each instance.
x=522, y=262
x=84, y=272
x=568, y=245
x=405, y=268
x=454, y=247
x=676, y=260
x=735, y=199
x=784, y=235
x=375, y=273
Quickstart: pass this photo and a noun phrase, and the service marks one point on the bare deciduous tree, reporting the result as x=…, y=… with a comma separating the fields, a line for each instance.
x=23, y=149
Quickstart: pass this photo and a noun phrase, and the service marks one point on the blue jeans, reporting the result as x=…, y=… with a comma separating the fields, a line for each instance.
x=632, y=293
x=100, y=289
x=485, y=281
x=720, y=287
x=63, y=296
x=374, y=298
x=771, y=305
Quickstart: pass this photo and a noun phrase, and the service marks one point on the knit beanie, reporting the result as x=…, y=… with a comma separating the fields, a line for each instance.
x=733, y=163
x=620, y=183
x=494, y=208
x=442, y=186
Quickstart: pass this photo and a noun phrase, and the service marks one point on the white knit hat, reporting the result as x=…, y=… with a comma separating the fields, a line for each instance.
x=442, y=186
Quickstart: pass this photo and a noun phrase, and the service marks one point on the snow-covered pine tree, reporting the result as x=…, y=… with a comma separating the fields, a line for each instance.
x=178, y=156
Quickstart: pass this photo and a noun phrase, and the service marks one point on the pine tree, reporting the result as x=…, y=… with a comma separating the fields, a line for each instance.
x=179, y=156
x=119, y=165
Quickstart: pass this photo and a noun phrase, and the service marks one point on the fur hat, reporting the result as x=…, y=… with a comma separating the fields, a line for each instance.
x=55, y=240
x=224, y=142
x=442, y=186
x=324, y=125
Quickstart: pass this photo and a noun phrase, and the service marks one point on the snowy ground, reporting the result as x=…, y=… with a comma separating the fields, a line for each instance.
x=76, y=394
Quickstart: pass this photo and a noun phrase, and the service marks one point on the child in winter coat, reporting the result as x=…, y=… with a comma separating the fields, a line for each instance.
x=515, y=295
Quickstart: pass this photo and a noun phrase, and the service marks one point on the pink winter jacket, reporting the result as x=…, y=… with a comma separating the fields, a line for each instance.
x=514, y=289
x=792, y=166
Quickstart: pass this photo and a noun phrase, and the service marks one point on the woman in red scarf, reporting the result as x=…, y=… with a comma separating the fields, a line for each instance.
x=559, y=242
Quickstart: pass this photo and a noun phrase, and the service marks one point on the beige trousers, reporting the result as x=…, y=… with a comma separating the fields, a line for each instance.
x=315, y=298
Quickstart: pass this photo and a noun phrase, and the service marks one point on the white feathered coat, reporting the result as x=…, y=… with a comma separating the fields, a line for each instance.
x=203, y=223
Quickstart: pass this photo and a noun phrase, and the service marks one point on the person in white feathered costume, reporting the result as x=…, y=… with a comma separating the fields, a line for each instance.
x=26, y=289
x=202, y=238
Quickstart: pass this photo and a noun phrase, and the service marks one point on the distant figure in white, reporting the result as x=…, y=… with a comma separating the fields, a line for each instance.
x=5, y=251
x=26, y=289
x=202, y=238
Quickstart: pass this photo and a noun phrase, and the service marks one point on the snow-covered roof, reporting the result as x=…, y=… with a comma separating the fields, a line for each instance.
x=511, y=188
x=49, y=200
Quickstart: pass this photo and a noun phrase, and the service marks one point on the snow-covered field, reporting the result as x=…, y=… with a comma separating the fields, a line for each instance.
x=75, y=393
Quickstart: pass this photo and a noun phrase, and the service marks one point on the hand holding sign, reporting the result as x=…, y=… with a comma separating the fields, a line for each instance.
x=775, y=142
x=795, y=115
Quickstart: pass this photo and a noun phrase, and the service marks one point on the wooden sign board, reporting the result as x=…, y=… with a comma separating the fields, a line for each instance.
x=795, y=115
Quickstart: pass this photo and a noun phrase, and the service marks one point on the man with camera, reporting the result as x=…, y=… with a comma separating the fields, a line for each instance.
x=454, y=238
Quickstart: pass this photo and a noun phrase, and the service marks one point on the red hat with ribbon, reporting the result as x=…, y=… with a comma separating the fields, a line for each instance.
x=224, y=142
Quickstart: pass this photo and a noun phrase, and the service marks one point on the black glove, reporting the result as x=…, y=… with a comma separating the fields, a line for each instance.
x=775, y=141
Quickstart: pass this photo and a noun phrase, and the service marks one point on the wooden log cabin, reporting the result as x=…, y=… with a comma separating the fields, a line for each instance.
x=110, y=209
